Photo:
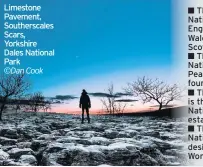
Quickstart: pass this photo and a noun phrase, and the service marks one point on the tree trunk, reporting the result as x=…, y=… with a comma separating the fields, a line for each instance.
x=1, y=111
x=0, y=115
x=160, y=106
x=2, y=106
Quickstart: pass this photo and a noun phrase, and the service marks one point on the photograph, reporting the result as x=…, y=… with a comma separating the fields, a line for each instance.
x=101, y=83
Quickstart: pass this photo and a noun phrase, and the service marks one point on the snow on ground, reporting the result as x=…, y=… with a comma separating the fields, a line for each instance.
x=58, y=139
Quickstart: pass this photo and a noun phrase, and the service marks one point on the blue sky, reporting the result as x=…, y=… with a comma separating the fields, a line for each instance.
x=99, y=40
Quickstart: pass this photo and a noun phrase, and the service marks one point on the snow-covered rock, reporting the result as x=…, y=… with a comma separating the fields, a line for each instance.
x=24, y=145
x=99, y=141
x=3, y=155
x=28, y=159
x=17, y=152
x=80, y=156
x=9, y=133
x=7, y=141
x=110, y=133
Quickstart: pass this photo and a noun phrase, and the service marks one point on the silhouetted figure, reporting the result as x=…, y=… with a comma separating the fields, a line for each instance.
x=85, y=103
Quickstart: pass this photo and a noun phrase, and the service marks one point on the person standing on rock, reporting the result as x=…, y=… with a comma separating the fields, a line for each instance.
x=85, y=104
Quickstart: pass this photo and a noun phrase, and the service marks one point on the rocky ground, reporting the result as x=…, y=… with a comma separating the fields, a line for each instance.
x=51, y=139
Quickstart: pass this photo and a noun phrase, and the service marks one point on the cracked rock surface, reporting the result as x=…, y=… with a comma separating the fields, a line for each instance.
x=59, y=139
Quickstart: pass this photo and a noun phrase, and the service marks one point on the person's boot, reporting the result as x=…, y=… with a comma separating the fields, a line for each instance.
x=88, y=121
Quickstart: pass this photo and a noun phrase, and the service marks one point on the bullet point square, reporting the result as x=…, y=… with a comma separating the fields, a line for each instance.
x=191, y=55
x=191, y=92
x=191, y=128
x=191, y=10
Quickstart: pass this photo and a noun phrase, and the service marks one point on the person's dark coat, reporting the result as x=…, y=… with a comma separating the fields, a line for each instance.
x=85, y=100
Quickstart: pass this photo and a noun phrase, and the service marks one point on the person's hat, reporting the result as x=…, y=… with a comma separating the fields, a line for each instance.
x=84, y=91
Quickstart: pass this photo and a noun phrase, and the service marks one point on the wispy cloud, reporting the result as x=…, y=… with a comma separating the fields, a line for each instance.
x=99, y=94
x=123, y=94
x=126, y=100
x=116, y=95
x=64, y=97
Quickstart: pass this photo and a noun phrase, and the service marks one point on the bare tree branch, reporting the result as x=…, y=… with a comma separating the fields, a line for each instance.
x=37, y=102
x=150, y=90
x=11, y=87
x=110, y=104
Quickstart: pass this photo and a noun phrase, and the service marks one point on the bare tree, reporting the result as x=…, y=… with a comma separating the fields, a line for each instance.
x=12, y=86
x=36, y=101
x=154, y=90
x=111, y=105
x=46, y=106
x=16, y=105
x=20, y=103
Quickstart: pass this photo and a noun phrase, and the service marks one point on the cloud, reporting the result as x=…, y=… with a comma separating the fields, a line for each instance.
x=123, y=94
x=100, y=94
x=116, y=95
x=64, y=97
x=126, y=100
